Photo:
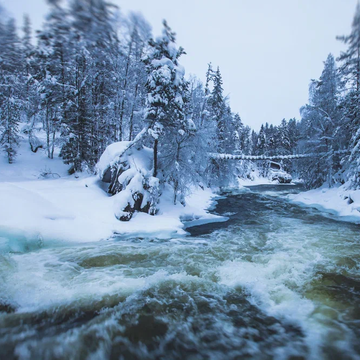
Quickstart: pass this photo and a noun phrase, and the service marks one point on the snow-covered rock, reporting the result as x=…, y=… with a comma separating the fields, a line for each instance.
x=129, y=172
x=110, y=156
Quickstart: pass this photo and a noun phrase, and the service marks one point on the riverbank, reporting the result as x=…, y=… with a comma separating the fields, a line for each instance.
x=338, y=201
x=41, y=202
x=72, y=209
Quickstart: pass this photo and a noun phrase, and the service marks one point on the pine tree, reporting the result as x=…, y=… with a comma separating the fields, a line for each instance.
x=90, y=110
x=165, y=113
x=293, y=131
x=237, y=135
x=322, y=119
x=52, y=73
x=132, y=72
x=10, y=84
x=261, y=145
x=218, y=108
x=30, y=98
x=205, y=109
x=223, y=141
x=283, y=147
x=350, y=72
x=201, y=145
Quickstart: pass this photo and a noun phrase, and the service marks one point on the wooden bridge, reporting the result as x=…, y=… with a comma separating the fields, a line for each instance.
x=275, y=157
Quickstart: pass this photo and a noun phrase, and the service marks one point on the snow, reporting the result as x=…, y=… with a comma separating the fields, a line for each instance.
x=191, y=125
x=257, y=179
x=30, y=166
x=156, y=130
x=162, y=62
x=111, y=153
x=79, y=210
x=335, y=201
x=34, y=210
x=114, y=151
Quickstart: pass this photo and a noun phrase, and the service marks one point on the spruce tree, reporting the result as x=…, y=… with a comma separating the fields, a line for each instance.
x=11, y=86
x=350, y=72
x=165, y=111
x=321, y=118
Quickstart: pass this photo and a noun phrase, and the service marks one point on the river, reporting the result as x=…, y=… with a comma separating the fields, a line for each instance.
x=276, y=281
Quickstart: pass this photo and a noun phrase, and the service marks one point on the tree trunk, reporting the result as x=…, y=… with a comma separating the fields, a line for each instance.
x=176, y=185
x=53, y=144
x=155, y=156
x=122, y=107
x=131, y=125
x=176, y=182
x=47, y=131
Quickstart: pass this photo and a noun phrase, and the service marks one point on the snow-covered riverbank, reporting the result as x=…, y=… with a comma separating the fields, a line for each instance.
x=59, y=207
x=340, y=201
x=40, y=202
x=80, y=210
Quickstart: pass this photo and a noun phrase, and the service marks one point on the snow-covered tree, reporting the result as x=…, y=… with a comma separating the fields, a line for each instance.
x=165, y=111
x=350, y=72
x=10, y=85
x=132, y=74
x=90, y=107
x=321, y=120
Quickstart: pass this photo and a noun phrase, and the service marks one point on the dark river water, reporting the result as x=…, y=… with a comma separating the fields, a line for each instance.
x=276, y=281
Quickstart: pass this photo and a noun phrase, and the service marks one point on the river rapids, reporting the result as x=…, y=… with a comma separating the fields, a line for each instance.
x=276, y=281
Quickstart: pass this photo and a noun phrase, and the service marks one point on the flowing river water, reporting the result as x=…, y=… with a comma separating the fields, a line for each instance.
x=276, y=281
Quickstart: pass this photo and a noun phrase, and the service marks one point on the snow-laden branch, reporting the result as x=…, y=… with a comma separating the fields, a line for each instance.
x=138, y=137
x=114, y=152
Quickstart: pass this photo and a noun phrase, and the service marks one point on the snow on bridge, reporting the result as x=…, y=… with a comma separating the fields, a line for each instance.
x=274, y=157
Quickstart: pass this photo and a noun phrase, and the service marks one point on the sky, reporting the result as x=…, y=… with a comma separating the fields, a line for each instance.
x=267, y=50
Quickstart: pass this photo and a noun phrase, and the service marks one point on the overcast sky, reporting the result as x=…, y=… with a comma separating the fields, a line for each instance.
x=267, y=50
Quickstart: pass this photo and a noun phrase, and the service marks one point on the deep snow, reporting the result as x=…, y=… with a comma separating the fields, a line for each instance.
x=339, y=201
x=59, y=207
x=41, y=203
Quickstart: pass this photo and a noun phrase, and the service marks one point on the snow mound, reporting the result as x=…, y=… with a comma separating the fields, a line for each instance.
x=110, y=156
x=37, y=211
x=341, y=201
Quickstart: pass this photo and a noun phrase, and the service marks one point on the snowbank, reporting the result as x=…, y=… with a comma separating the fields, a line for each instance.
x=80, y=210
x=69, y=209
x=41, y=204
x=339, y=201
x=31, y=166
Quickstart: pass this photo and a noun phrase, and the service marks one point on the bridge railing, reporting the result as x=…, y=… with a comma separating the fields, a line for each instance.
x=275, y=157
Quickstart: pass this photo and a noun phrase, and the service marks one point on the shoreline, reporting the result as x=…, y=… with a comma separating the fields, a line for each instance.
x=331, y=201
x=38, y=212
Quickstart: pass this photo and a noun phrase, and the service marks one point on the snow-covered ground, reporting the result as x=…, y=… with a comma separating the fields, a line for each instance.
x=340, y=201
x=257, y=179
x=40, y=202
x=59, y=207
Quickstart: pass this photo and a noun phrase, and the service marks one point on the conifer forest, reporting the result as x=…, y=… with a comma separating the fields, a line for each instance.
x=142, y=218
